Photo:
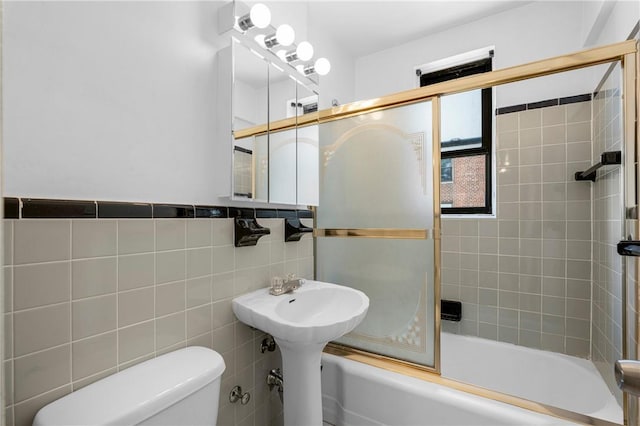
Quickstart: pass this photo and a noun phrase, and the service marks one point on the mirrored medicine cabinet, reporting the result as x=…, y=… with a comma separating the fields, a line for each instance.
x=274, y=130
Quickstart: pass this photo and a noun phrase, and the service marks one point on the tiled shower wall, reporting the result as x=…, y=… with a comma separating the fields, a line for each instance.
x=524, y=276
x=607, y=220
x=89, y=297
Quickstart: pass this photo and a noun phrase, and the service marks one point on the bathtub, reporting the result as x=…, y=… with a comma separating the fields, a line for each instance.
x=547, y=377
x=358, y=394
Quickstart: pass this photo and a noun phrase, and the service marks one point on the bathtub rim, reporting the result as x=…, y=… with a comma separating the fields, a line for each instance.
x=430, y=374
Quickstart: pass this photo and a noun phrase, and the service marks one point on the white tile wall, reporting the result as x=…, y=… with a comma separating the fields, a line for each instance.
x=87, y=298
x=524, y=276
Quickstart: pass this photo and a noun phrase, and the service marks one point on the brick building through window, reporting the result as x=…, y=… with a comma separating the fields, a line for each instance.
x=467, y=185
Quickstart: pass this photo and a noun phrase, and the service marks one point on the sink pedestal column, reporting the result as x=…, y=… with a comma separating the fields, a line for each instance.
x=302, y=387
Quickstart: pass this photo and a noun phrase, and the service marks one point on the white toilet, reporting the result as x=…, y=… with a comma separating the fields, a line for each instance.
x=179, y=388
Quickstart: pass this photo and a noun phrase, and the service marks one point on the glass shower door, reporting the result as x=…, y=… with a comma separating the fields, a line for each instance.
x=376, y=174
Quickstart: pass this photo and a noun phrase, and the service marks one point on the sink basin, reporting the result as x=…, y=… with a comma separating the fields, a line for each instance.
x=317, y=312
x=302, y=323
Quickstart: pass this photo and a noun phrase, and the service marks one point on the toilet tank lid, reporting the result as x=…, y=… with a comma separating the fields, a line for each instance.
x=137, y=393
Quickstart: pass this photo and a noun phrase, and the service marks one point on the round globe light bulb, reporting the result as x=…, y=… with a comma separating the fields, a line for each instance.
x=285, y=35
x=322, y=66
x=260, y=15
x=300, y=68
x=304, y=51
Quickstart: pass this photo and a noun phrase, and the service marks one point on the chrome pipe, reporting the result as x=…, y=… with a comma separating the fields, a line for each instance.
x=627, y=374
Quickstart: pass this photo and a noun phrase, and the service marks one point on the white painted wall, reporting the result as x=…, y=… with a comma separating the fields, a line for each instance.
x=531, y=32
x=606, y=22
x=110, y=100
x=117, y=100
x=619, y=18
x=340, y=83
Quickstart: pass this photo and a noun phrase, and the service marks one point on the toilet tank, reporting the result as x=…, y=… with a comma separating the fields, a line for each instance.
x=178, y=388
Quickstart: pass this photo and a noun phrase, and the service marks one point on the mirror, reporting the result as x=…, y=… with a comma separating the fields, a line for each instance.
x=307, y=147
x=250, y=108
x=282, y=144
x=250, y=88
x=275, y=140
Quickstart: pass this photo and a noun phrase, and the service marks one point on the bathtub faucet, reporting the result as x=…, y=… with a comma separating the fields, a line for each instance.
x=281, y=286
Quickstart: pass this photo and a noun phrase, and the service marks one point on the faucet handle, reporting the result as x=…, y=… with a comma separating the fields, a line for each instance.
x=277, y=283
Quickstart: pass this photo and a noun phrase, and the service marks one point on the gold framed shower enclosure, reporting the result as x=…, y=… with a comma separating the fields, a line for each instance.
x=627, y=54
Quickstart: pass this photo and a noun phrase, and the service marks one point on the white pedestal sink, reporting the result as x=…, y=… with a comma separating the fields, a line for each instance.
x=302, y=323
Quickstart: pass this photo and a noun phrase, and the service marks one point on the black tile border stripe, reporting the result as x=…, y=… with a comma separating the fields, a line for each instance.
x=173, y=211
x=54, y=209
x=112, y=210
x=212, y=212
x=575, y=99
x=288, y=214
x=11, y=208
x=510, y=109
x=242, y=212
x=80, y=209
x=543, y=104
x=266, y=213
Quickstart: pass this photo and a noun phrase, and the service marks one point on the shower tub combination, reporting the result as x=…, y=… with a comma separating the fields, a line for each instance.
x=391, y=248
x=359, y=394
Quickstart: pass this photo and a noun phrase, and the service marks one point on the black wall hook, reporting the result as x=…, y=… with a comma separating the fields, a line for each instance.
x=294, y=229
x=247, y=231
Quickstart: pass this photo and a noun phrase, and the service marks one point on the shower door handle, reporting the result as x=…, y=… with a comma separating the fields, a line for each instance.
x=629, y=248
x=627, y=374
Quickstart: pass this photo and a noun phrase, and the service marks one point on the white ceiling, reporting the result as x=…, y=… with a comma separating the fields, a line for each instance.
x=366, y=26
x=362, y=27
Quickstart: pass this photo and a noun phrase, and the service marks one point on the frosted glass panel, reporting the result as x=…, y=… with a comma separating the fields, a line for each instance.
x=397, y=276
x=375, y=170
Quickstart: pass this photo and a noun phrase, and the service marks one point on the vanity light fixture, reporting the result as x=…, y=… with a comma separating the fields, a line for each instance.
x=304, y=51
x=284, y=36
x=290, y=56
x=282, y=54
x=271, y=38
x=260, y=40
x=322, y=66
x=259, y=16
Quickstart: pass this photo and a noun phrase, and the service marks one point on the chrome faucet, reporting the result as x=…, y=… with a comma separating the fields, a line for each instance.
x=281, y=286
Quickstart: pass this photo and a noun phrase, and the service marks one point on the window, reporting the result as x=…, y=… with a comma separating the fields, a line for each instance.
x=446, y=170
x=466, y=142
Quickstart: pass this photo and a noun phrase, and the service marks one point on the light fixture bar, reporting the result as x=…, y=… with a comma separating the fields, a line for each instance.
x=271, y=37
x=259, y=16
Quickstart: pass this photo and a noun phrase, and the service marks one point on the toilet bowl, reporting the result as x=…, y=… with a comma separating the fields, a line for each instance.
x=178, y=388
